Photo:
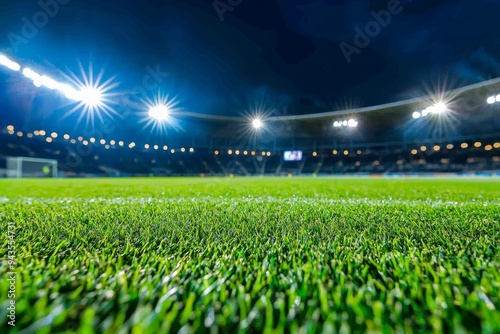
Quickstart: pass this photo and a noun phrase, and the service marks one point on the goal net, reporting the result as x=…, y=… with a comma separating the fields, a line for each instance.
x=19, y=167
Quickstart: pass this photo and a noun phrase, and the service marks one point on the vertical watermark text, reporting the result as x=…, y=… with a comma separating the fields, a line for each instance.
x=11, y=273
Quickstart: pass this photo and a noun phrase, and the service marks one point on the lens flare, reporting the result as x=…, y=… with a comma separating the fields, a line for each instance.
x=160, y=111
x=93, y=96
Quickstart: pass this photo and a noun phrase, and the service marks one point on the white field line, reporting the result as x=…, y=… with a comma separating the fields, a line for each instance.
x=308, y=201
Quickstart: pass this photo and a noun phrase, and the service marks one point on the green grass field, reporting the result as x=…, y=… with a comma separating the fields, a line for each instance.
x=252, y=255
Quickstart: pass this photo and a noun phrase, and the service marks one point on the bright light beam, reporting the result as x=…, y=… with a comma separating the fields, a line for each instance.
x=352, y=123
x=92, y=95
x=42, y=80
x=9, y=63
x=257, y=123
x=440, y=107
x=69, y=92
x=34, y=76
x=159, y=112
x=254, y=123
x=48, y=82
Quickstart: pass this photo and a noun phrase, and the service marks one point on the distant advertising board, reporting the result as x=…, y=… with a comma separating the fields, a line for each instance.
x=292, y=155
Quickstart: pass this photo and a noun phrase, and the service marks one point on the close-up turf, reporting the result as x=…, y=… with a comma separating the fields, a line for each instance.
x=273, y=255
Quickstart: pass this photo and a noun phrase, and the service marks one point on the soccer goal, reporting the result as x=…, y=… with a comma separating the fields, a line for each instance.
x=19, y=167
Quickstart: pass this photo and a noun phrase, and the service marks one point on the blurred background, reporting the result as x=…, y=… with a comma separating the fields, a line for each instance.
x=218, y=88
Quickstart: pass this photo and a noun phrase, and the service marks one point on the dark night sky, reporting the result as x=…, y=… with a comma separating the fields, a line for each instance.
x=285, y=53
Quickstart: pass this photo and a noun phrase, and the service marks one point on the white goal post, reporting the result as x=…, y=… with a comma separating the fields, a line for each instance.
x=19, y=167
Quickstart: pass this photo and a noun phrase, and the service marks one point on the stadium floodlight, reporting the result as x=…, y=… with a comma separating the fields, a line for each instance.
x=491, y=100
x=439, y=107
x=91, y=97
x=256, y=123
x=34, y=76
x=497, y=98
x=352, y=123
x=91, y=94
x=9, y=63
x=69, y=92
x=41, y=80
x=159, y=112
x=48, y=82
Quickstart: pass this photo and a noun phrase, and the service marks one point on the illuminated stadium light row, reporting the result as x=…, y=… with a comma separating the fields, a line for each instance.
x=244, y=152
x=464, y=145
x=111, y=144
x=42, y=80
x=438, y=108
x=9, y=63
x=335, y=152
x=352, y=123
x=107, y=145
x=493, y=99
x=114, y=143
x=88, y=95
x=93, y=97
x=423, y=148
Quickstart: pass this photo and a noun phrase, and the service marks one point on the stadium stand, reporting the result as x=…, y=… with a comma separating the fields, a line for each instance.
x=373, y=158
